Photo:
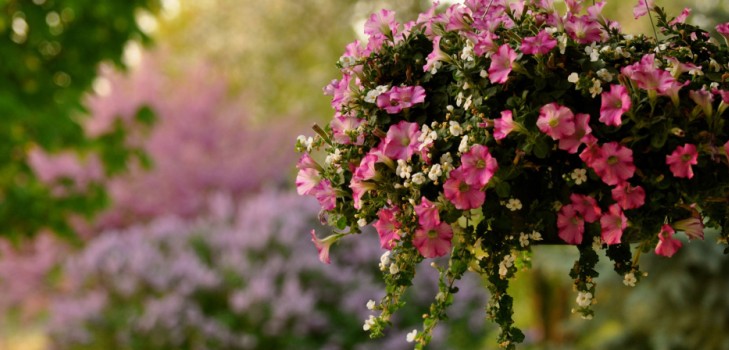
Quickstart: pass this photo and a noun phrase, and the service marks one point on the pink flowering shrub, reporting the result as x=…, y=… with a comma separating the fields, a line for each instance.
x=493, y=125
x=240, y=277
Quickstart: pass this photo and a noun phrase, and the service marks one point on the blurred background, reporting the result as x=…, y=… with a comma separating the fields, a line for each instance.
x=146, y=197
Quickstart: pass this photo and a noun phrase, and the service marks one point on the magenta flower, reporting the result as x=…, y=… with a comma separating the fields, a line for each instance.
x=570, y=224
x=615, y=164
x=401, y=141
x=614, y=104
x=681, y=160
x=538, y=45
x=667, y=245
x=586, y=206
x=627, y=196
x=478, y=166
x=556, y=121
x=572, y=142
x=592, y=152
x=483, y=42
x=642, y=8
x=382, y=22
x=504, y=125
x=399, y=98
x=427, y=213
x=456, y=18
x=501, y=64
x=461, y=194
x=387, y=227
x=433, y=242
x=613, y=223
x=693, y=227
x=366, y=169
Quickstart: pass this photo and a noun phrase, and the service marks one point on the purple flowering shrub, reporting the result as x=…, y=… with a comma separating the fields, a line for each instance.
x=242, y=277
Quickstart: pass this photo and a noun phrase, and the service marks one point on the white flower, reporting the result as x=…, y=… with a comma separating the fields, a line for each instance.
x=579, y=175
x=629, y=279
x=463, y=146
x=385, y=260
x=369, y=323
x=333, y=158
x=596, y=88
x=573, y=78
x=505, y=264
x=523, y=239
x=551, y=30
x=593, y=52
x=305, y=142
x=371, y=304
x=562, y=42
x=514, y=204
x=435, y=67
x=362, y=222
x=435, y=172
x=605, y=75
x=467, y=52
x=347, y=61
x=418, y=178
x=584, y=299
x=483, y=74
x=535, y=236
x=403, y=169
x=411, y=336
x=455, y=128
x=459, y=99
x=446, y=162
x=394, y=269
x=468, y=102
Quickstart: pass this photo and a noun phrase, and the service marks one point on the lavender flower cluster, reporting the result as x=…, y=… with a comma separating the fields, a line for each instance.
x=240, y=278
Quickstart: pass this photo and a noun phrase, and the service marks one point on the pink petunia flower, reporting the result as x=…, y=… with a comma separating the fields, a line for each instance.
x=366, y=169
x=693, y=227
x=627, y=196
x=461, y=194
x=501, y=64
x=556, y=121
x=540, y=44
x=306, y=181
x=667, y=245
x=586, y=206
x=342, y=126
x=613, y=223
x=359, y=188
x=483, y=42
x=433, y=242
x=682, y=17
x=703, y=99
x=570, y=224
x=642, y=8
x=401, y=141
x=615, y=163
x=436, y=57
x=427, y=213
x=649, y=77
x=325, y=194
x=723, y=30
x=478, y=166
x=681, y=160
x=456, y=16
x=399, y=98
x=504, y=125
x=572, y=142
x=381, y=22
x=592, y=152
x=323, y=245
x=387, y=227
x=614, y=104
x=584, y=29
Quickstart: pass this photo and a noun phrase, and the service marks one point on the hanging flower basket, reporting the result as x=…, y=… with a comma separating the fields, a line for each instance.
x=478, y=131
